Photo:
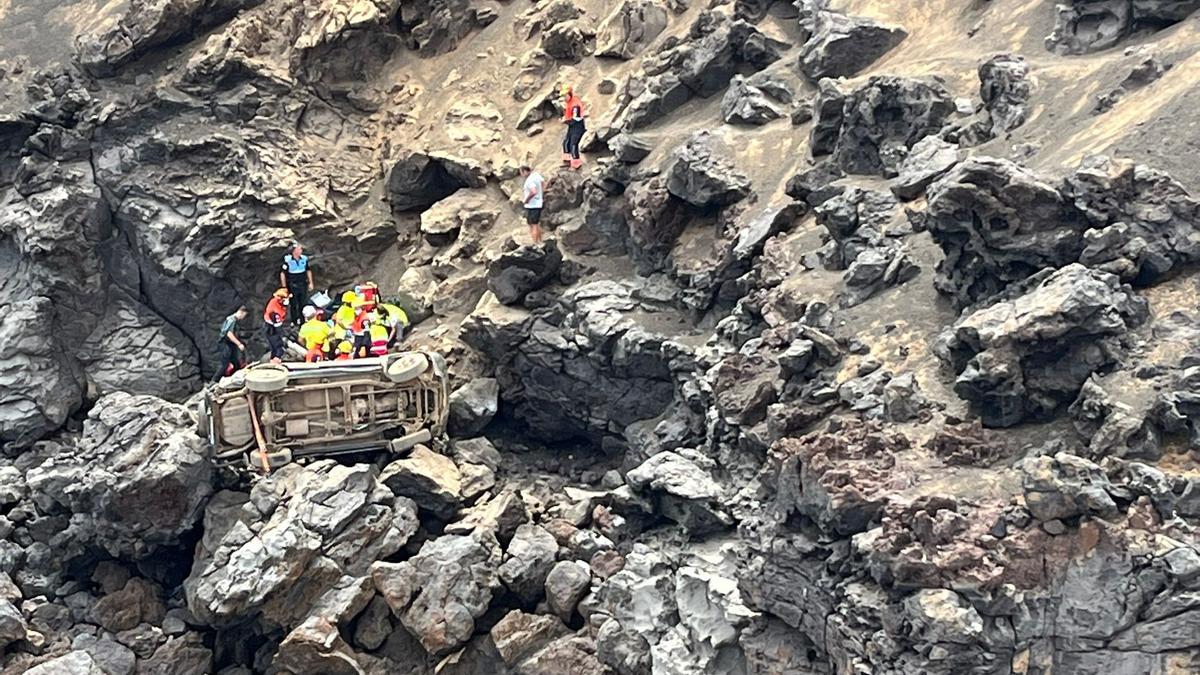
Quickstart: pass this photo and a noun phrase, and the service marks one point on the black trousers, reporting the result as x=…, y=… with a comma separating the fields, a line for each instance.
x=297, y=285
x=274, y=340
x=230, y=356
x=574, y=136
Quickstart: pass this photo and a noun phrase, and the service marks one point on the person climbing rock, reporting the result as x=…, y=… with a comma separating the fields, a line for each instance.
x=573, y=117
x=534, y=197
x=274, y=318
x=296, y=276
x=314, y=335
x=230, y=345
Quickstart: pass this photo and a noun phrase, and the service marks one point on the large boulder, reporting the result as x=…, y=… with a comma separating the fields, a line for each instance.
x=1005, y=89
x=756, y=100
x=472, y=407
x=147, y=24
x=528, y=560
x=133, y=482
x=998, y=223
x=515, y=274
x=717, y=47
x=592, y=372
x=701, y=175
x=685, y=492
x=302, y=533
x=630, y=28
x=432, y=480
x=438, y=26
x=842, y=46
x=879, y=122
x=439, y=593
x=42, y=385
x=1032, y=351
x=1083, y=26
x=1065, y=486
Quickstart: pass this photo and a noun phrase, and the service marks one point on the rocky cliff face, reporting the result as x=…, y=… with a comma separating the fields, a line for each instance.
x=866, y=340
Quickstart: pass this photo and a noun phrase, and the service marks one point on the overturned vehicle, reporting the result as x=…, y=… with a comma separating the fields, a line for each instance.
x=272, y=414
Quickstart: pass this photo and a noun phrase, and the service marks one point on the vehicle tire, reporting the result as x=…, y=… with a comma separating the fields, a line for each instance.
x=406, y=367
x=266, y=379
x=203, y=420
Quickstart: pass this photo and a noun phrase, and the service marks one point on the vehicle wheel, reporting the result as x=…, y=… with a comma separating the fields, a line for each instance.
x=266, y=379
x=406, y=367
x=202, y=420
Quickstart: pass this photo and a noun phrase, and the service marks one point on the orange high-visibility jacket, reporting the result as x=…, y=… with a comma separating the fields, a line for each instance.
x=573, y=102
x=276, y=312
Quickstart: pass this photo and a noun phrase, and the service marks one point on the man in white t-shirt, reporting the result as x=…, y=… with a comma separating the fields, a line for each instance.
x=533, y=195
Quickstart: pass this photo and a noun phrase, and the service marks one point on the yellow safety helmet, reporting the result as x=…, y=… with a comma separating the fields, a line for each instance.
x=345, y=347
x=282, y=293
x=566, y=90
x=349, y=296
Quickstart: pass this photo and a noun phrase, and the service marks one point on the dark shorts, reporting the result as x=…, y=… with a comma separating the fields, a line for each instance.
x=533, y=216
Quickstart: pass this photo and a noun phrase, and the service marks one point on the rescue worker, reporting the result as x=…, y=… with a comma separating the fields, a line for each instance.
x=314, y=335
x=396, y=321
x=360, y=329
x=274, y=318
x=344, y=351
x=379, y=338
x=534, y=195
x=230, y=345
x=344, y=316
x=573, y=117
x=296, y=277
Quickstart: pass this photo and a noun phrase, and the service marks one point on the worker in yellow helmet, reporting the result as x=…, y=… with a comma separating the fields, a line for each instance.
x=344, y=316
x=314, y=335
x=345, y=351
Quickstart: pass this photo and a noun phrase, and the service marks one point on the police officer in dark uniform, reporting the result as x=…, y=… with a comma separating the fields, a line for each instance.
x=296, y=276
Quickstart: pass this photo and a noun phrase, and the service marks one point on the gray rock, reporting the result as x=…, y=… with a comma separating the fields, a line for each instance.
x=1082, y=27
x=431, y=480
x=756, y=100
x=12, y=624
x=686, y=493
x=700, y=175
x=879, y=122
x=1005, y=89
x=630, y=148
x=475, y=480
x=519, y=635
x=261, y=553
x=134, y=483
x=929, y=159
x=1033, y=350
x=71, y=663
x=566, y=584
x=374, y=625
x=630, y=28
x=476, y=451
x=440, y=592
x=146, y=25
x=842, y=46
x=515, y=274
x=472, y=407
x=528, y=560
x=1065, y=486
x=43, y=386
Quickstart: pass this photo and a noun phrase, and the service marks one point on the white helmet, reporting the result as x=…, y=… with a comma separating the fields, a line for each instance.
x=310, y=312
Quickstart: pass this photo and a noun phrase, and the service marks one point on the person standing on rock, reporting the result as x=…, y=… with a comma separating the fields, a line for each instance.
x=296, y=276
x=230, y=345
x=573, y=117
x=274, y=318
x=533, y=196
